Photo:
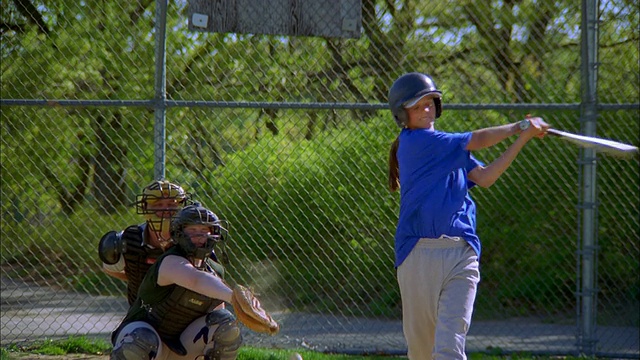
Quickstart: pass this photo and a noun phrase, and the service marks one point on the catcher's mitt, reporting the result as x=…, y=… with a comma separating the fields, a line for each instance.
x=250, y=312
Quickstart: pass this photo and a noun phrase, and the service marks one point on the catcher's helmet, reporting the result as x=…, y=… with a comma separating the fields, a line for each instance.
x=196, y=214
x=159, y=201
x=407, y=90
x=159, y=190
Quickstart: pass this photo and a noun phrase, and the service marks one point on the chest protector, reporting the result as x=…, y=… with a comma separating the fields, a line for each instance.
x=138, y=258
x=175, y=312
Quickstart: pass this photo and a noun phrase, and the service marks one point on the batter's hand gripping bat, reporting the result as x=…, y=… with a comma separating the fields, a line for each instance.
x=601, y=145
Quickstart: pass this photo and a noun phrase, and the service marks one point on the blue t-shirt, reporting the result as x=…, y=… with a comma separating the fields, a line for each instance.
x=434, y=189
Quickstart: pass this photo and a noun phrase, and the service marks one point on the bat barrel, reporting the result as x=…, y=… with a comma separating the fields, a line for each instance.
x=603, y=145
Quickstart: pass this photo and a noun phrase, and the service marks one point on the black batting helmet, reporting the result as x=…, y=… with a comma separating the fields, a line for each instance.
x=196, y=214
x=407, y=90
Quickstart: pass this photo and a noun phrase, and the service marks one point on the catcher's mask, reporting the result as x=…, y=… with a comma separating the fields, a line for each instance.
x=158, y=202
x=407, y=90
x=196, y=214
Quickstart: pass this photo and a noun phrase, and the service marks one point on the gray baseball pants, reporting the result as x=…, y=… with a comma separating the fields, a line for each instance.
x=438, y=283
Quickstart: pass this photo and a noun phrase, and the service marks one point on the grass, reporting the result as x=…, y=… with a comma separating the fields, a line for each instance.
x=71, y=345
x=83, y=345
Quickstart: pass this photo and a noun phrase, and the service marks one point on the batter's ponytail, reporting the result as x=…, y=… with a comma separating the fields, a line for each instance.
x=394, y=171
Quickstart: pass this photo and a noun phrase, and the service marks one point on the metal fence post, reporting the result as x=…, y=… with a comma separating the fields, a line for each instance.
x=159, y=127
x=588, y=206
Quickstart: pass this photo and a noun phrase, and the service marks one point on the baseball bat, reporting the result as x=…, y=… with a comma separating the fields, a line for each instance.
x=610, y=147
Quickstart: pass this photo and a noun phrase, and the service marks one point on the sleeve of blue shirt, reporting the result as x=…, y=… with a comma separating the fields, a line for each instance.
x=472, y=163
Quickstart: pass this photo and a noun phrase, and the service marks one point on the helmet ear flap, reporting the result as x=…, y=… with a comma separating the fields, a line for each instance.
x=401, y=118
x=438, y=102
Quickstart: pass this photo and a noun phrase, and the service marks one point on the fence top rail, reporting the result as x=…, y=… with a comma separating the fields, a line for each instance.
x=297, y=105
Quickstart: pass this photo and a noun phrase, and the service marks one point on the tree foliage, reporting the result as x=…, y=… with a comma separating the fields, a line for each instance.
x=492, y=52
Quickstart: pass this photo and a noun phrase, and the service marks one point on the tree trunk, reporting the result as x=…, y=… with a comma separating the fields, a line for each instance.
x=109, y=175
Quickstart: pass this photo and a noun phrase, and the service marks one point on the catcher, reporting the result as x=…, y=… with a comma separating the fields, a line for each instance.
x=180, y=308
x=128, y=254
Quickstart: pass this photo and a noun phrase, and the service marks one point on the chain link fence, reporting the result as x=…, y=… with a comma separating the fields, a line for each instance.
x=287, y=138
